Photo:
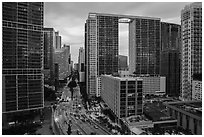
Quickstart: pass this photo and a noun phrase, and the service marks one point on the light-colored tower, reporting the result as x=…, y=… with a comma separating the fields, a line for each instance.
x=91, y=54
x=81, y=60
x=191, y=34
x=58, y=40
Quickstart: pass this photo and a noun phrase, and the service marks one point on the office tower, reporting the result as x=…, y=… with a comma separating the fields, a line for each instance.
x=56, y=76
x=58, y=40
x=122, y=62
x=170, y=68
x=170, y=36
x=22, y=78
x=70, y=62
x=123, y=95
x=63, y=59
x=71, y=65
x=171, y=57
x=81, y=59
x=144, y=46
x=76, y=66
x=49, y=44
x=101, y=46
x=191, y=34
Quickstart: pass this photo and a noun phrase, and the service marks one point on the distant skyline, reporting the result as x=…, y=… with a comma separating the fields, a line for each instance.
x=69, y=18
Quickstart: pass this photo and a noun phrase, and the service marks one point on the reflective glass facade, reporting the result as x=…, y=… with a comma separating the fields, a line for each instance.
x=170, y=68
x=49, y=43
x=144, y=46
x=107, y=44
x=171, y=57
x=101, y=45
x=22, y=87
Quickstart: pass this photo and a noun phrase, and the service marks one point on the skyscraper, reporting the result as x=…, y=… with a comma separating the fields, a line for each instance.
x=170, y=36
x=170, y=68
x=170, y=57
x=58, y=40
x=122, y=62
x=101, y=48
x=101, y=45
x=81, y=59
x=191, y=34
x=49, y=44
x=144, y=46
x=63, y=58
x=22, y=78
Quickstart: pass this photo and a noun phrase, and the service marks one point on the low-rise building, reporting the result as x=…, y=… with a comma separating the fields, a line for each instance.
x=156, y=112
x=197, y=90
x=124, y=96
x=188, y=115
x=153, y=85
x=123, y=73
x=139, y=121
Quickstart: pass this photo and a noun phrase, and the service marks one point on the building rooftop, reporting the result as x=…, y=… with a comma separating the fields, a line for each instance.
x=189, y=107
x=122, y=16
x=123, y=78
x=156, y=111
x=137, y=131
x=138, y=121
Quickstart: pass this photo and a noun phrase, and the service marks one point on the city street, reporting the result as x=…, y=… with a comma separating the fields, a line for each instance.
x=72, y=111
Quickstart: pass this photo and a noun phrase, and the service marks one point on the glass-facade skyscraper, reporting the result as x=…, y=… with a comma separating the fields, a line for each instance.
x=144, y=46
x=101, y=49
x=171, y=57
x=22, y=27
x=101, y=46
x=49, y=44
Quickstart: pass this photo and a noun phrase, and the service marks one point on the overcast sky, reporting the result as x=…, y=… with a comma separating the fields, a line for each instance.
x=69, y=18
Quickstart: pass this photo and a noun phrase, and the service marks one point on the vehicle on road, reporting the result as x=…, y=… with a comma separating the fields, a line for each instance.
x=93, y=133
x=95, y=127
x=78, y=132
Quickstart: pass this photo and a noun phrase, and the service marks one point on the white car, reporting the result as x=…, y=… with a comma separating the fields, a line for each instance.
x=95, y=127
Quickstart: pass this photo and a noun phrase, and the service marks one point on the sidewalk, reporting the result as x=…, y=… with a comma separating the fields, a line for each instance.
x=45, y=130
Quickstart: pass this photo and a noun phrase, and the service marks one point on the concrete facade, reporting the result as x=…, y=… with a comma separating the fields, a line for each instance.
x=188, y=115
x=191, y=35
x=197, y=90
x=122, y=95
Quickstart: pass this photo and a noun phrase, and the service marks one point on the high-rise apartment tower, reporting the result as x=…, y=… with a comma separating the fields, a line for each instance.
x=101, y=46
x=191, y=34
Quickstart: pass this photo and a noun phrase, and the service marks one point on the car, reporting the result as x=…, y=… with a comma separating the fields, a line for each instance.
x=95, y=127
x=93, y=133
